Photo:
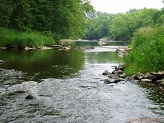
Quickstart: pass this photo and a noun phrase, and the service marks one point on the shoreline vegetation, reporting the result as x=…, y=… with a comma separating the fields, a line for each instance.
x=147, y=52
x=143, y=61
x=119, y=76
x=10, y=38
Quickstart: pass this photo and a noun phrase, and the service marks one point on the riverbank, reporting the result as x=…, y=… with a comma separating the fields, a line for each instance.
x=118, y=75
x=147, y=52
x=10, y=38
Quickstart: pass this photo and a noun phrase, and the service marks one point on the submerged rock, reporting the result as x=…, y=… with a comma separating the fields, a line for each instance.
x=29, y=97
x=107, y=81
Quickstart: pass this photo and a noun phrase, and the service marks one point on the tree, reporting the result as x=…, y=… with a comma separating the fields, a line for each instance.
x=6, y=9
x=64, y=18
x=97, y=25
x=124, y=25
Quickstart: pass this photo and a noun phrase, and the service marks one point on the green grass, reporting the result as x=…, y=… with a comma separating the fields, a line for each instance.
x=148, y=51
x=10, y=37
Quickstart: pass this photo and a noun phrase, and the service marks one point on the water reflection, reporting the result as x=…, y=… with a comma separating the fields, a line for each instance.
x=154, y=93
x=102, y=57
x=44, y=64
x=78, y=99
x=95, y=43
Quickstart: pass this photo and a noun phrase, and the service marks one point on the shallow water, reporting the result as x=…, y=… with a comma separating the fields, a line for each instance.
x=71, y=89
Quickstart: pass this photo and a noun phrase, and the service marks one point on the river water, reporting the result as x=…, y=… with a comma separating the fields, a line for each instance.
x=68, y=87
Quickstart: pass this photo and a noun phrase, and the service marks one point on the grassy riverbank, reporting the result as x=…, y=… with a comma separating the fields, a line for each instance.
x=14, y=38
x=148, y=51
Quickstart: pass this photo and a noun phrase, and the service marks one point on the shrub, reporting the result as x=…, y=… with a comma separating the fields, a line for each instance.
x=148, y=50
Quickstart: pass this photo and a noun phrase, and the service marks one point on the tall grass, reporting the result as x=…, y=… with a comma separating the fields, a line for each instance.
x=148, y=51
x=10, y=37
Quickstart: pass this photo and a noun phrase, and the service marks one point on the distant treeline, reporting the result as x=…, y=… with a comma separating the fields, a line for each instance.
x=122, y=26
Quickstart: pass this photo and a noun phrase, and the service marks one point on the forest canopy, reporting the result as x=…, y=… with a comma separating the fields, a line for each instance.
x=62, y=18
x=74, y=19
x=122, y=26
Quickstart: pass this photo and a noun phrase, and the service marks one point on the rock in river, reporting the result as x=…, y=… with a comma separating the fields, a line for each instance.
x=106, y=72
x=29, y=87
x=29, y=97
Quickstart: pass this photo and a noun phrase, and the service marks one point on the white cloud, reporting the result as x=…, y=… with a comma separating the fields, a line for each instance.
x=115, y=6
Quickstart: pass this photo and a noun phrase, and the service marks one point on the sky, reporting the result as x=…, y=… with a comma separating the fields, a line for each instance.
x=116, y=6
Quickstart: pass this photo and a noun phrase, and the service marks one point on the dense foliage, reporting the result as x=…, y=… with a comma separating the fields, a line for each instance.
x=122, y=26
x=62, y=18
x=97, y=25
x=148, y=51
x=13, y=38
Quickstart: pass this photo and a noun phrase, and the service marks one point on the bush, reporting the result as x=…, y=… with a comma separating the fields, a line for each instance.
x=148, y=51
x=10, y=37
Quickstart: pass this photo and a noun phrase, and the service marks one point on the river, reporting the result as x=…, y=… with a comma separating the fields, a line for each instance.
x=69, y=88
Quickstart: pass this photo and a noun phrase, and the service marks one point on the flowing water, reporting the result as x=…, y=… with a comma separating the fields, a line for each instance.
x=68, y=87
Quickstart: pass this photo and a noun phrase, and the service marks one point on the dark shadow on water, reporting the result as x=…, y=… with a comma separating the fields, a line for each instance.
x=41, y=64
x=154, y=93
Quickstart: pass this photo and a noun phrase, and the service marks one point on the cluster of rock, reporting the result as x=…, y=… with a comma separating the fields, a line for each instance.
x=153, y=77
x=102, y=43
x=118, y=75
x=47, y=47
x=121, y=53
x=60, y=47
